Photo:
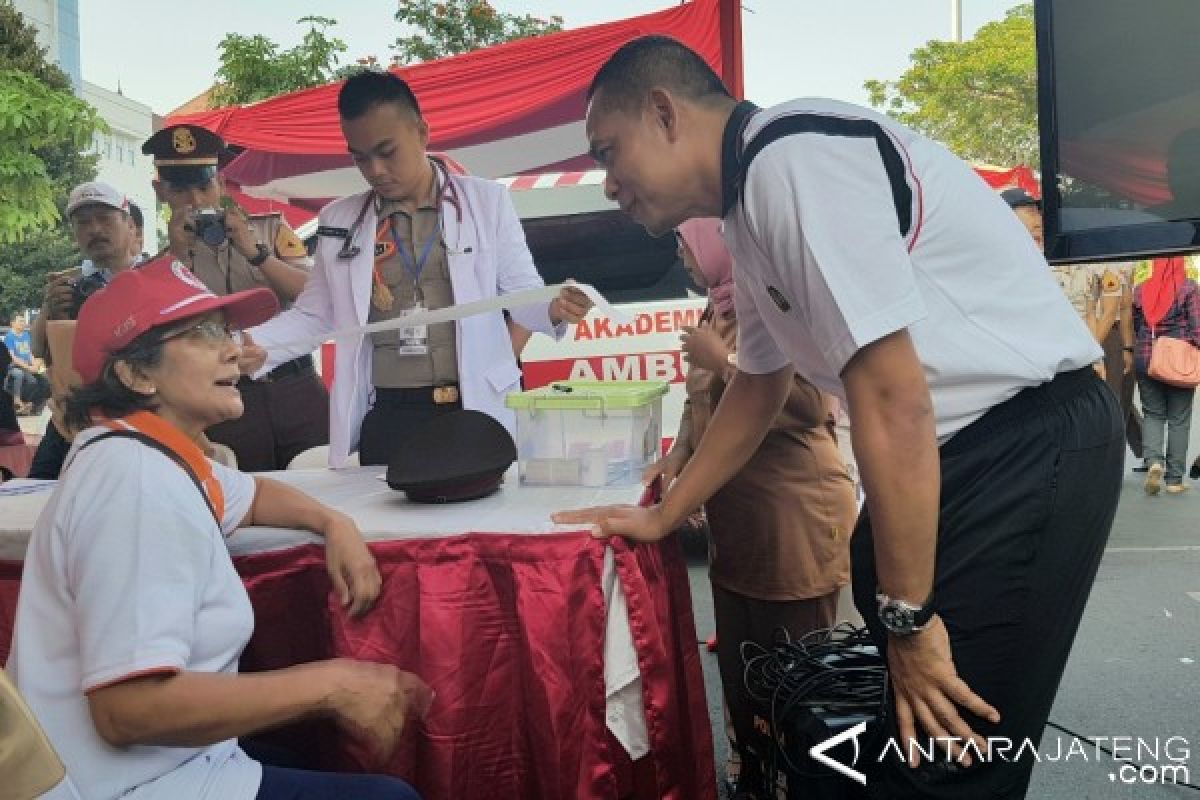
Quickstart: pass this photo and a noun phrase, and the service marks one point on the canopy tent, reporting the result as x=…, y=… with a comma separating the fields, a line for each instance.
x=505, y=110
x=1007, y=177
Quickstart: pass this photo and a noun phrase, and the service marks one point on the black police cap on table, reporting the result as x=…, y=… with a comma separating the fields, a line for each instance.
x=185, y=155
x=461, y=455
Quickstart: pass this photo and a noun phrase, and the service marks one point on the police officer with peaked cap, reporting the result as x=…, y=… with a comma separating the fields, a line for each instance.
x=287, y=410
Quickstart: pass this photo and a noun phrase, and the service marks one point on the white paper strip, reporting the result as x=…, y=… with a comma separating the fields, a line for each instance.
x=526, y=297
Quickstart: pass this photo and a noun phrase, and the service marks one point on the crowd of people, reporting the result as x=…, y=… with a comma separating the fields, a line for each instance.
x=1127, y=306
x=848, y=262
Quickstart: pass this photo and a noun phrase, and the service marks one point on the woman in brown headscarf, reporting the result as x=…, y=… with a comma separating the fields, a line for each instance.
x=780, y=529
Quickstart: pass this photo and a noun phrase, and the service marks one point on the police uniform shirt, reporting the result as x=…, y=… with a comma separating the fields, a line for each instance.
x=439, y=365
x=224, y=270
x=1080, y=284
x=835, y=249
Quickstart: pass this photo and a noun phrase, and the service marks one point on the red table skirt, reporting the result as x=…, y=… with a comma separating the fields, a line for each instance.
x=509, y=631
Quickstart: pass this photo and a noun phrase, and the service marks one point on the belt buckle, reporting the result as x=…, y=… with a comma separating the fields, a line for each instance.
x=445, y=394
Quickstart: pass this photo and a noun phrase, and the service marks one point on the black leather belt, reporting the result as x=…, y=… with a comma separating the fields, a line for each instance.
x=297, y=366
x=436, y=395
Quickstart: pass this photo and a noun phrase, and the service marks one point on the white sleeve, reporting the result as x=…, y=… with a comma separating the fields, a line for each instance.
x=239, y=490
x=757, y=351
x=821, y=209
x=515, y=270
x=310, y=317
x=136, y=563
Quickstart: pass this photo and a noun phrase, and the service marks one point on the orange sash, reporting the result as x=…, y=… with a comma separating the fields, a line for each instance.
x=183, y=451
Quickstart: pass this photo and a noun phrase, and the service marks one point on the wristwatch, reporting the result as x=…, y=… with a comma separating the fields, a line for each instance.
x=902, y=618
x=261, y=256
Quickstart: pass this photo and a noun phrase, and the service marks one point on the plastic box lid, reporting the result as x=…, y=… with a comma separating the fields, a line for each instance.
x=588, y=395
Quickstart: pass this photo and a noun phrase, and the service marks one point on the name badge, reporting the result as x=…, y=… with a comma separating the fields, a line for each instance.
x=333, y=233
x=414, y=339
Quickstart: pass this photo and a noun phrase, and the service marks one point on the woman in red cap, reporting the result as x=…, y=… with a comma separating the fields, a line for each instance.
x=131, y=617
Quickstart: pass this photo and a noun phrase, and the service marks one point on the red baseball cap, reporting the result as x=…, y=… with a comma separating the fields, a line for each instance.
x=155, y=294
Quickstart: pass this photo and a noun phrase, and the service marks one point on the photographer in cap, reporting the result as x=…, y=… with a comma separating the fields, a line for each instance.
x=99, y=218
x=287, y=410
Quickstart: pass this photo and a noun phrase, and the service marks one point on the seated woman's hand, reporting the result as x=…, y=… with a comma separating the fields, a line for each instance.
x=351, y=566
x=375, y=701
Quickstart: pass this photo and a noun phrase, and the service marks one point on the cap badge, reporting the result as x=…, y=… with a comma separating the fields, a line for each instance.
x=183, y=141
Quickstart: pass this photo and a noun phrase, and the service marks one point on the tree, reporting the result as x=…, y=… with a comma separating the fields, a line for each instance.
x=978, y=97
x=451, y=27
x=41, y=120
x=43, y=128
x=255, y=67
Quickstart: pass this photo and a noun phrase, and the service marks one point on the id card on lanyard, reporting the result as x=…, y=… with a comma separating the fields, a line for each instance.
x=414, y=339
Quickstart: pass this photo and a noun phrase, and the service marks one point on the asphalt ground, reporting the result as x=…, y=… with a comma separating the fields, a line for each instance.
x=1134, y=670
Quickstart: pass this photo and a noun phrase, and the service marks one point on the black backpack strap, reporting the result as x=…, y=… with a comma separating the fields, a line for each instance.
x=160, y=447
x=893, y=162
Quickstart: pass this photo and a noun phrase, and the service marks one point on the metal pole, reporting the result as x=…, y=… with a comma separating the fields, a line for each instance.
x=956, y=20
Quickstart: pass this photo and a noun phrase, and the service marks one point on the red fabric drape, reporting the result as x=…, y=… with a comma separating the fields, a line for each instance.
x=294, y=215
x=475, y=97
x=1003, y=178
x=509, y=631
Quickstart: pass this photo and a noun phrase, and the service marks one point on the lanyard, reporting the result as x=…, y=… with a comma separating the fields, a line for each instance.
x=413, y=265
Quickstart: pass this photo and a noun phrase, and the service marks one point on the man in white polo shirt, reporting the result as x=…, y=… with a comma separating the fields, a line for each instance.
x=884, y=270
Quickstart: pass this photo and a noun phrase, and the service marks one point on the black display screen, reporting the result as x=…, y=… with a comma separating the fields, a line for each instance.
x=1119, y=112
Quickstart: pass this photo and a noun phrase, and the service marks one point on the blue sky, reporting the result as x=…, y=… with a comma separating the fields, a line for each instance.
x=164, y=54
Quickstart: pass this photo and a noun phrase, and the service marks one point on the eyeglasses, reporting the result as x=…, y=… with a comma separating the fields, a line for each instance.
x=209, y=331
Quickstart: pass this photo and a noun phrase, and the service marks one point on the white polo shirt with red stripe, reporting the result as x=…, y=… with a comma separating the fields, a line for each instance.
x=832, y=251
x=128, y=574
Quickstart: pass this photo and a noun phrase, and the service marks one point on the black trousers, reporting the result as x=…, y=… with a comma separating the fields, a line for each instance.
x=282, y=418
x=1028, y=496
x=396, y=413
x=51, y=453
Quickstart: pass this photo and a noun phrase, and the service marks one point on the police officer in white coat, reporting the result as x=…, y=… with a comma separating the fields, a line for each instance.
x=420, y=238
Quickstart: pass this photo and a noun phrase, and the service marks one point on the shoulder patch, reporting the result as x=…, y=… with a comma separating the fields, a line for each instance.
x=288, y=244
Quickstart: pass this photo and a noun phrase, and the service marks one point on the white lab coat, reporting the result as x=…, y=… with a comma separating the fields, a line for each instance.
x=487, y=256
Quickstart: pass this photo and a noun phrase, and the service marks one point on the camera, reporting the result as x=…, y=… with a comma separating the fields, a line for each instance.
x=209, y=225
x=84, y=287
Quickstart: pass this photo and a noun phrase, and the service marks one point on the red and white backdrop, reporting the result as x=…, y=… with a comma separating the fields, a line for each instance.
x=509, y=109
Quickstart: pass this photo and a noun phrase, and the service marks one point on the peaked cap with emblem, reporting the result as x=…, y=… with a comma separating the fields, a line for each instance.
x=185, y=154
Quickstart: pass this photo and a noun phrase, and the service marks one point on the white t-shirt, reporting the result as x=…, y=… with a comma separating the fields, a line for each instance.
x=822, y=268
x=127, y=574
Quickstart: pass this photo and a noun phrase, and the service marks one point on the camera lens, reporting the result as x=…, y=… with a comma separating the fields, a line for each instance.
x=213, y=232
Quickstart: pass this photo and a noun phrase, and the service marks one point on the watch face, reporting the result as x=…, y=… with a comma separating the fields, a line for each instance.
x=896, y=619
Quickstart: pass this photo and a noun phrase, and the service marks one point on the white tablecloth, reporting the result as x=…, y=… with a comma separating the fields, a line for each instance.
x=384, y=514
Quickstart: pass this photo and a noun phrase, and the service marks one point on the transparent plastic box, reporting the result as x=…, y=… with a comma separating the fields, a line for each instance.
x=588, y=433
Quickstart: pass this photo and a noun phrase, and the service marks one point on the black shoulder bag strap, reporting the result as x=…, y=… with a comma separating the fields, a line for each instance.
x=160, y=447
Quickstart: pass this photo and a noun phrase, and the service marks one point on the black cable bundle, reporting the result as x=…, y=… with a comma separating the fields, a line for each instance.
x=827, y=673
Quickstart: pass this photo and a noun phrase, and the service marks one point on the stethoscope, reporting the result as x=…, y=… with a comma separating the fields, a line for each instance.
x=447, y=193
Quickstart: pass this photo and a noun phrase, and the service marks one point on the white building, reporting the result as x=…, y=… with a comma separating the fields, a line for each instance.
x=121, y=162
x=57, y=24
x=130, y=123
